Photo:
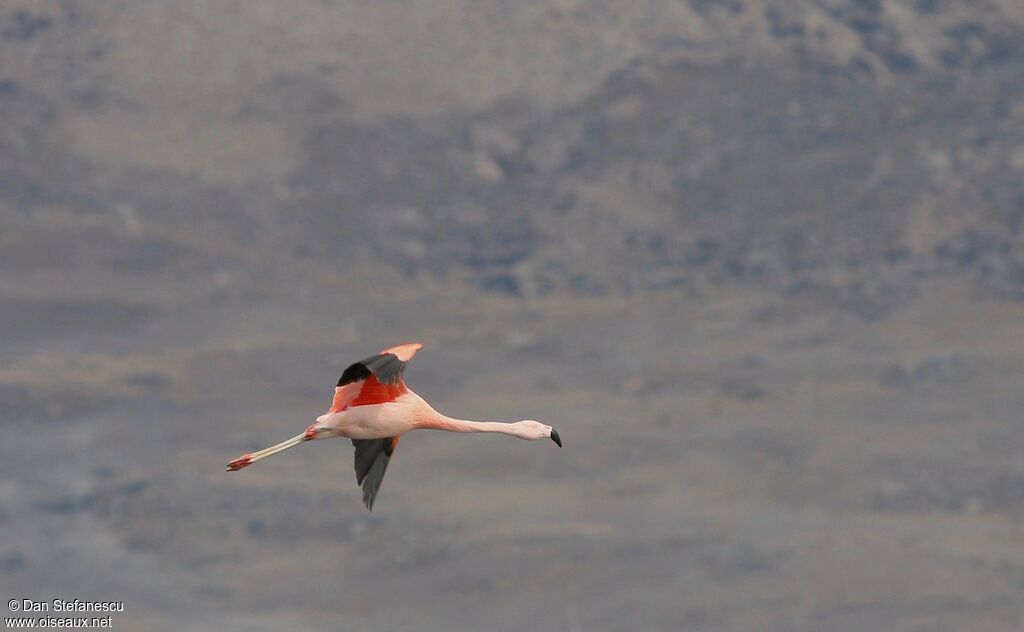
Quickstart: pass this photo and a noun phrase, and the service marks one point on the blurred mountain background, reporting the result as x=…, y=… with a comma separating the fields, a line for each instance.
x=760, y=262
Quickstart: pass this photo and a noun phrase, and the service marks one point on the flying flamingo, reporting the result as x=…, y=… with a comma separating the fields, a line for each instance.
x=373, y=407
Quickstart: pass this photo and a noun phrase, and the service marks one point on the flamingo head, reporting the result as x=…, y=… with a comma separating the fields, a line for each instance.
x=532, y=430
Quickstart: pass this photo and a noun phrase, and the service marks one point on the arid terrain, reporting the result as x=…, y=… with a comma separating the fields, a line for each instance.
x=760, y=263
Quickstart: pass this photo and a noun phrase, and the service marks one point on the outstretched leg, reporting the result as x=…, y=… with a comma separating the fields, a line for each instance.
x=248, y=459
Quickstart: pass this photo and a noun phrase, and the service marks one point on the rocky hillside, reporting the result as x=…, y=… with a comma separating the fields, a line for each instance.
x=832, y=149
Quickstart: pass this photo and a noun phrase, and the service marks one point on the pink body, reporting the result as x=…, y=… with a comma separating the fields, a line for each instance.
x=408, y=412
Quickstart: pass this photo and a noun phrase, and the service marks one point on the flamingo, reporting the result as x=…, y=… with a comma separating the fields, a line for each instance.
x=373, y=407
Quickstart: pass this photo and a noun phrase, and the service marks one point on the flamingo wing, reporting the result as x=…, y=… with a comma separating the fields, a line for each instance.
x=372, y=458
x=375, y=380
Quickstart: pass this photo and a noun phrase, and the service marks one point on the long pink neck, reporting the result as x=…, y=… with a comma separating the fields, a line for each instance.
x=433, y=420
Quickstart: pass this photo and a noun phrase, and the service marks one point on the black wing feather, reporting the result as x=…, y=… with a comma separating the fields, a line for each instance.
x=372, y=458
x=386, y=366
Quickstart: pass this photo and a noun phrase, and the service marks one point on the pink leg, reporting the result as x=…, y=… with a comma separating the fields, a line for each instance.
x=248, y=459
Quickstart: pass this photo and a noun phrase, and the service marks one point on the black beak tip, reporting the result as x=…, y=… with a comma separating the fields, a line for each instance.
x=556, y=438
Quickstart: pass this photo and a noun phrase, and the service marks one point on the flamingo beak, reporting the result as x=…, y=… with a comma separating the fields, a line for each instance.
x=556, y=438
